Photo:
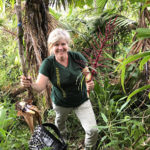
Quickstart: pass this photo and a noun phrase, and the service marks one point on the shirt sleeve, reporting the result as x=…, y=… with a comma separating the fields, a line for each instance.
x=45, y=68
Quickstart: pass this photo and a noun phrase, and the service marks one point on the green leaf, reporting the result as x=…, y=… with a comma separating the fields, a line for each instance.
x=12, y=3
x=133, y=1
x=113, y=142
x=1, y=22
x=100, y=4
x=2, y=116
x=127, y=61
x=145, y=5
x=143, y=33
x=137, y=91
x=123, y=78
x=111, y=57
x=134, y=57
x=70, y=10
x=54, y=13
x=143, y=61
x=104, y=117
x=123, y=106
x=1, y=5
x=79, y=4
x=2, y=133
x=89, y=2
x=149, y=95
x=103, y=127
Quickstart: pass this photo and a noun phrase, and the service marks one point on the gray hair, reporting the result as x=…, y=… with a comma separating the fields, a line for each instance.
x=56, y=35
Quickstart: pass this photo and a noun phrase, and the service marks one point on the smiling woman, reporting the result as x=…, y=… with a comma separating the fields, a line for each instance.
x=65, y=69
x=60, y=50
x=56, y=36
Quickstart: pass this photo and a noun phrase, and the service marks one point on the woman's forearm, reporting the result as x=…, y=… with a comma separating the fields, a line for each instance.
x=40, y=83
x=37, y=87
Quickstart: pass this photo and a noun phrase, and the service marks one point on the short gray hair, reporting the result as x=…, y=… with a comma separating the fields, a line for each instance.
x=56, y=35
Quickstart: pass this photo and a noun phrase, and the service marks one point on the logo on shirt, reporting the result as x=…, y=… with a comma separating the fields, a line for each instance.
x=58, y=82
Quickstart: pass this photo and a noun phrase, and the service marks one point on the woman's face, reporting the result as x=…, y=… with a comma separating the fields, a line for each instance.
x=60, y=49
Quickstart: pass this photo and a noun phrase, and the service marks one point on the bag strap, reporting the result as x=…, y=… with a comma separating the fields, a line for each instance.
x=52, y=126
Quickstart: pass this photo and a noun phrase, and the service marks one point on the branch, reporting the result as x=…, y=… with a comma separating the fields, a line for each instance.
x=6, y=30
x=20, y=35
x=147, y=14
x=18, y=91
x=20, y=42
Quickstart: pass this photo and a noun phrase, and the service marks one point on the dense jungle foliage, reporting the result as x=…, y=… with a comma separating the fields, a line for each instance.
x=115, y=32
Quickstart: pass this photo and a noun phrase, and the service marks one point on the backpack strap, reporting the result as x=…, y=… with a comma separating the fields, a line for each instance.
x=52, y=126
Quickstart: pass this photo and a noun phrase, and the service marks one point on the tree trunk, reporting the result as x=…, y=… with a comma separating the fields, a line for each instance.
x=38, y=23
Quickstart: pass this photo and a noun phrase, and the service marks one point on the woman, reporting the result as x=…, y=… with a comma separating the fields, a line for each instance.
x=65, y=69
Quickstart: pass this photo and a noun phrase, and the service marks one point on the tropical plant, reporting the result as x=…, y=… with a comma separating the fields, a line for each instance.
x=142, y=33
x=119, y=124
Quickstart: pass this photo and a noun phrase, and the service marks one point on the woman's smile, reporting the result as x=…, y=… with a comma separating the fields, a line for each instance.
x=60, y=49
x=60, y=46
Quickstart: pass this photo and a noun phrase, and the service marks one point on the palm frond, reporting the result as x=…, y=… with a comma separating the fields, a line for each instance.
x=122, y=23
x=66, y=3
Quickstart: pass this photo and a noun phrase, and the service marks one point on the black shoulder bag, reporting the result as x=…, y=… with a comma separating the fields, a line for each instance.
x=43, y=139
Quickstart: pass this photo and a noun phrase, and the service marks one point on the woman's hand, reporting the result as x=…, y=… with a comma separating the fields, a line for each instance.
x=39, y=85
x=90, y=85
x=26, y=81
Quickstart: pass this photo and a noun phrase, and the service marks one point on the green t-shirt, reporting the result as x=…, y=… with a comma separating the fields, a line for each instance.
x=69, y=89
